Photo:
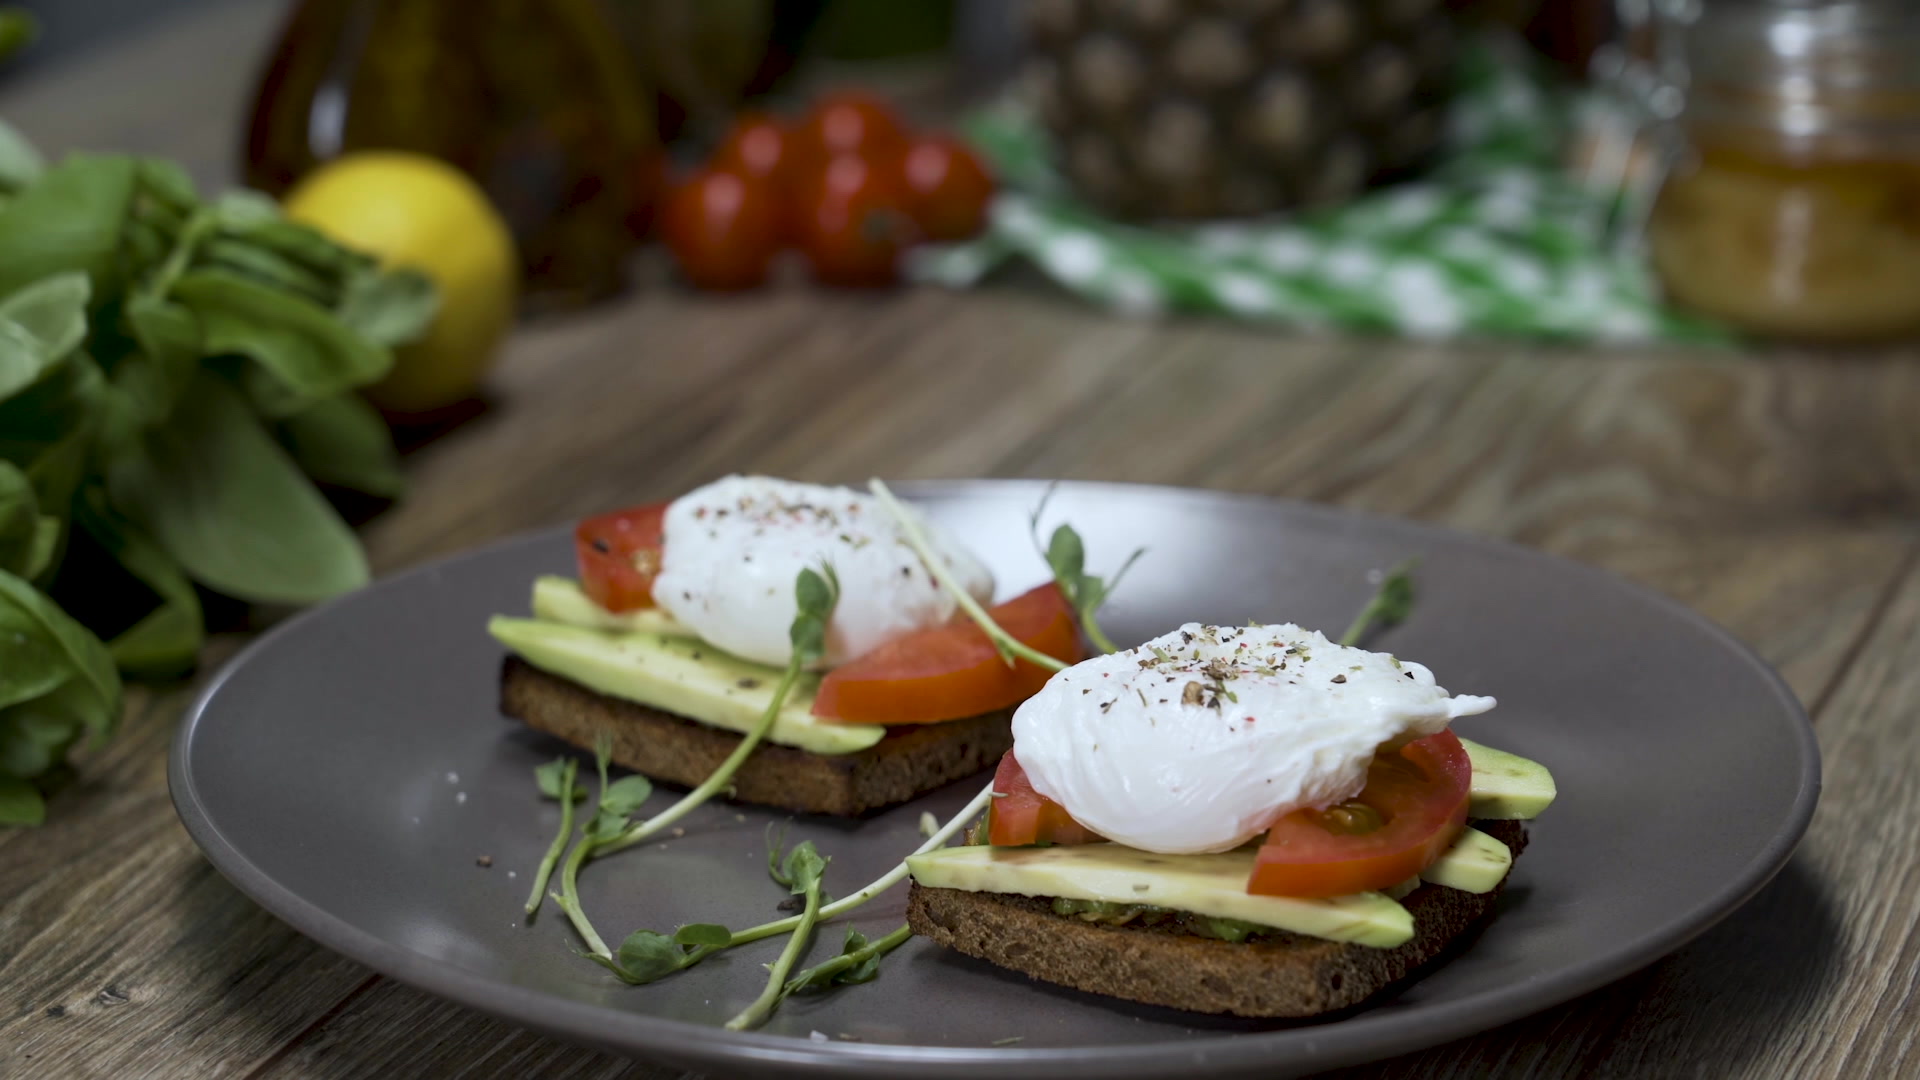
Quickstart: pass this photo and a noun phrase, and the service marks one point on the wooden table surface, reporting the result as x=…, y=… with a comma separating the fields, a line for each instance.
x=1777, y=493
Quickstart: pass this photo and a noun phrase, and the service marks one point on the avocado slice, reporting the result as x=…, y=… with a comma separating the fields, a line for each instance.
x=561, y=600
x=1208, y=885
x=684, y=676
x=1507, y=787
x=1476, y=863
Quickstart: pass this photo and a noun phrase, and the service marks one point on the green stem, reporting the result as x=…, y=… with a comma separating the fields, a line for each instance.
x=197, y=227
x=1389, y=605
x=848, y=961
x=756, y=1014
x=559, y=845
x=1097, y=635
x=1358, y=628
x=886, y=881
x=1008, y=645
x=569, y=898
x=639, y=831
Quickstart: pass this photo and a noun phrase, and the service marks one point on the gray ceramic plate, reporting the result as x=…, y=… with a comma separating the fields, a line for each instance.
x=349, y=769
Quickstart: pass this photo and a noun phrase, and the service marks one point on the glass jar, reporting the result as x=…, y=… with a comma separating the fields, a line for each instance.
x=534, y=99
x=1794, y=208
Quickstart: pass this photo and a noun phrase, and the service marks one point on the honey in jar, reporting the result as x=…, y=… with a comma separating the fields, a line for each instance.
x=1794, y=210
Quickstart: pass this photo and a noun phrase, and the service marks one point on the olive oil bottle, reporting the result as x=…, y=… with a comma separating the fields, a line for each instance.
x=535, y=99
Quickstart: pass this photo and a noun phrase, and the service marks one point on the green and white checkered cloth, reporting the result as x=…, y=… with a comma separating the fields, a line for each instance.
x=1497, y=240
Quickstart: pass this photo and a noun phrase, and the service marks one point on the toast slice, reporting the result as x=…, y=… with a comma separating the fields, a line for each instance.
x=908, y=762
x=1282, y=975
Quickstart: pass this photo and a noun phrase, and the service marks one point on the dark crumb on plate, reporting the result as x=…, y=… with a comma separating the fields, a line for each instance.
x=484, y=860
x=792, y=903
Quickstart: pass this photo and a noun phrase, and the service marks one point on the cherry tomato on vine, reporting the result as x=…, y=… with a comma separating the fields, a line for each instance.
x=850, y=122
x=948, y=188
x=758, y=145
x=723, y=228
x=852, y=222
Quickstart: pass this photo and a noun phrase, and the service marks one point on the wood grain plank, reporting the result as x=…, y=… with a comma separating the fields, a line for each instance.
x=122, y=952
x=999, y=372
x=394, y=1030
x=1823, y=981
x=1779, y=495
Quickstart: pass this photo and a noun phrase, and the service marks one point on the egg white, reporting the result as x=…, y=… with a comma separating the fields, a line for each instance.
x=734, y=547
x=1201, y=739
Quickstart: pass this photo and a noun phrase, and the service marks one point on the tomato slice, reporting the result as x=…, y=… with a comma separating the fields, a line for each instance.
x=1020, y=815
x=1413, y=806
x=951, y=671
x=619, y=556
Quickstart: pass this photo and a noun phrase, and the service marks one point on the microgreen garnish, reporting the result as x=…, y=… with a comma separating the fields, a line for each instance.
x=551, y=776
x=609, y=830
x=1392, y=602
x=815, y=595
x=556, y=782
x=712, y=934
x=804, y=867
x=776, y=841
x=701, y=949
x=617, y=803
x=643, y=957
x=1067, y=556
x=1008, y=646
x=647, y=955
x=858, y=962
x=569, y=895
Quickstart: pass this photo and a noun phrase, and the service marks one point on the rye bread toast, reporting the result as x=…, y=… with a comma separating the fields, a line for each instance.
x=1279, y=976
x=908, y=762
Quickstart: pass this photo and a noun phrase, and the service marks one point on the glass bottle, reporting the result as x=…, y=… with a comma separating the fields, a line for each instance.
x=535, y=99
x=1794, y=208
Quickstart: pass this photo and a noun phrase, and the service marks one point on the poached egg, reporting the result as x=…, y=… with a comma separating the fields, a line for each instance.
x=734, y=547
x=1201, y=739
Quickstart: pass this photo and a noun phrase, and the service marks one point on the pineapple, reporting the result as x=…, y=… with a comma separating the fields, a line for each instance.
x=1225, y=108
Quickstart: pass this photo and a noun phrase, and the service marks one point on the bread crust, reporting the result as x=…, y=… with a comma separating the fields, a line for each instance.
x=910, y=761
x=1286, y=976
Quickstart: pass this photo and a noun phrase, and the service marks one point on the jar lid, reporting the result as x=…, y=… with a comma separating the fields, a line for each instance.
x=1802, y=68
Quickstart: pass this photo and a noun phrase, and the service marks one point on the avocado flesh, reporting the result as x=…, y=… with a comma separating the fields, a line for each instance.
x=1213, y=886
x=1504, y=787
x=561, y=600
x=1476, y=863
x=684, y=676
x=1507, y=787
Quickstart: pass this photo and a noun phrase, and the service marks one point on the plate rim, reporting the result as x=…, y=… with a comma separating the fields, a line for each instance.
x=1366, y=1036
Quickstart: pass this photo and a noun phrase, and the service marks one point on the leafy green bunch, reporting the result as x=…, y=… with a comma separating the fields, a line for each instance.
x=175, y=375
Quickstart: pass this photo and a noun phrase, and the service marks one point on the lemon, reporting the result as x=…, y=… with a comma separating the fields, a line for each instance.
x=414, y=211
